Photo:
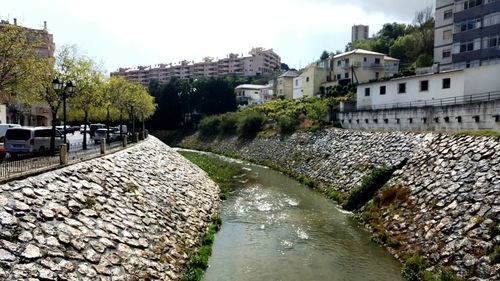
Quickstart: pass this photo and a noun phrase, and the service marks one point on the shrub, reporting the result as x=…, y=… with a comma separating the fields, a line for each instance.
x=209, y=125
x=369, y=186
x=413, y=267
x=286, y=124
x=228, y=123
x=495, y=256
x=250, y=125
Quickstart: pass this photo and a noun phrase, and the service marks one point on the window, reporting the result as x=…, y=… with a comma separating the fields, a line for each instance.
x=446, y=53
x=382, y=90
x=296, y=82
x=377, y=75
x=448, y=14
x=346, y=75
x=401, y=88
x=468, y=25
x=339, y=76
x=377, y=60
x=364, y=59
x=491, y=42
x=424, y=86
x=446, y=83
x=491, y=19
x=307, y=79
x=447, y=34
x=367, y=92
x=467, y=46
x=338, y=63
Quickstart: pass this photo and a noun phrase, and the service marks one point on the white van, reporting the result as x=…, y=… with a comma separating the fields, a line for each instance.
x=5, y=127
x=30, y=140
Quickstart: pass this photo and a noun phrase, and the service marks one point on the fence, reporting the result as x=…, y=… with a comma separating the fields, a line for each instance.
x=31, y=164
x=491, y=96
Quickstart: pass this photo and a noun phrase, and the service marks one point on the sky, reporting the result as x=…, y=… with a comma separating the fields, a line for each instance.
x=126, y=33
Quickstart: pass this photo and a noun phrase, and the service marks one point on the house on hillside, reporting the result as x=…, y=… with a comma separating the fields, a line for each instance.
x=307, y=84
x=284, y=85
x=361, y=66
x=248, y=94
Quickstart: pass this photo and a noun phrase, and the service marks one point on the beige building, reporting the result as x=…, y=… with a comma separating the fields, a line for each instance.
x=259, y=62
x=307, y=84
x=284, y=87
x=361, y=66
x=37, y=114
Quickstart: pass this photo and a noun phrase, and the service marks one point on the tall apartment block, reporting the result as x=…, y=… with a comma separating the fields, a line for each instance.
x=360, y=32
x=259, y=62
x=467, y=33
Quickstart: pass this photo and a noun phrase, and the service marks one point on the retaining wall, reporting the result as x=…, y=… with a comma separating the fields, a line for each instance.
x=132, y=215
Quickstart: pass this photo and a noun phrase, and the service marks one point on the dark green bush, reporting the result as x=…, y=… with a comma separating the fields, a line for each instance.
x=287, y=124
x=495, y=256
x=413, y=267
x=369, y=186
x=250, y=125
x=209, y=125
x=193, y=274
x=228, y=123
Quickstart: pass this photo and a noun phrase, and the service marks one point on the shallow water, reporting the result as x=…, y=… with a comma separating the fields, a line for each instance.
x=277, y=229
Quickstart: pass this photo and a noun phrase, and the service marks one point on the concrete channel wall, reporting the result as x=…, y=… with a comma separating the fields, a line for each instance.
x=133, y=215
x=452, y=212
x=473, y=116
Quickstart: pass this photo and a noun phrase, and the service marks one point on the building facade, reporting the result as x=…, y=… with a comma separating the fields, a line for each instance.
x=248, y=94
x=360, y=32
x=307, y=84
x=437, y=89
x=259, y=62
x=19, y=113
x=360, y=66
x=284, y=84
x=467, y=33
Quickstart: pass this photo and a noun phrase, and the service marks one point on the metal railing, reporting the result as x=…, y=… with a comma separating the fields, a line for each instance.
x=24, y=165
x=460, y=100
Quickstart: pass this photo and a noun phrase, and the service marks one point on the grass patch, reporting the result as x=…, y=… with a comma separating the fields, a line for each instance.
x=90, y=202
x=219, y=171
x=199, y=262
x=369, y=186
x=495, y=256
x=415, y=270
x=482, y=133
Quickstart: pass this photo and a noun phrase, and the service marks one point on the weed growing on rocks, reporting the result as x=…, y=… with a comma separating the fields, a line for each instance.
x=199, y=262
x=130, y=188
x=90, y=202
x=415, y=270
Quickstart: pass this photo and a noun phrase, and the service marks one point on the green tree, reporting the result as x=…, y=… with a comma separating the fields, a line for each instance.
x=20, y=61
x=324, y=55
x=87, y=77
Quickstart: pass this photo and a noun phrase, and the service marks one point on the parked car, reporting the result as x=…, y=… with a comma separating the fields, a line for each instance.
x=100, y=134
x=30, y=140
x=69, y=129
x=94, y=127
x=82, y=128
x=3, y=130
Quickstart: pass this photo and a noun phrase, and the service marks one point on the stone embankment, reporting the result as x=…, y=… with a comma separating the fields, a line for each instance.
x=452, y=212
x=133, y=215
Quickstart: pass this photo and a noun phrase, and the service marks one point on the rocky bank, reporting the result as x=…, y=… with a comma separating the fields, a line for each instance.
x=451, y=213
x=133, y=215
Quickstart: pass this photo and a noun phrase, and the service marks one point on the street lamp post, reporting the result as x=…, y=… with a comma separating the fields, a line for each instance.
x=63, y=88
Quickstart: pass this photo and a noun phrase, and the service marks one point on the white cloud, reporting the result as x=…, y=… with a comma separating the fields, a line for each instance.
x=129, y=33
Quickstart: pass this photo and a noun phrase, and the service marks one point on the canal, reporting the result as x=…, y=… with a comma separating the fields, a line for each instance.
x=277, y=229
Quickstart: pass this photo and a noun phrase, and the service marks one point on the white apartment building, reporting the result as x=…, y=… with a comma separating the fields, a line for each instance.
x=259, y=62
x=307, y=84
x=444, y=88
